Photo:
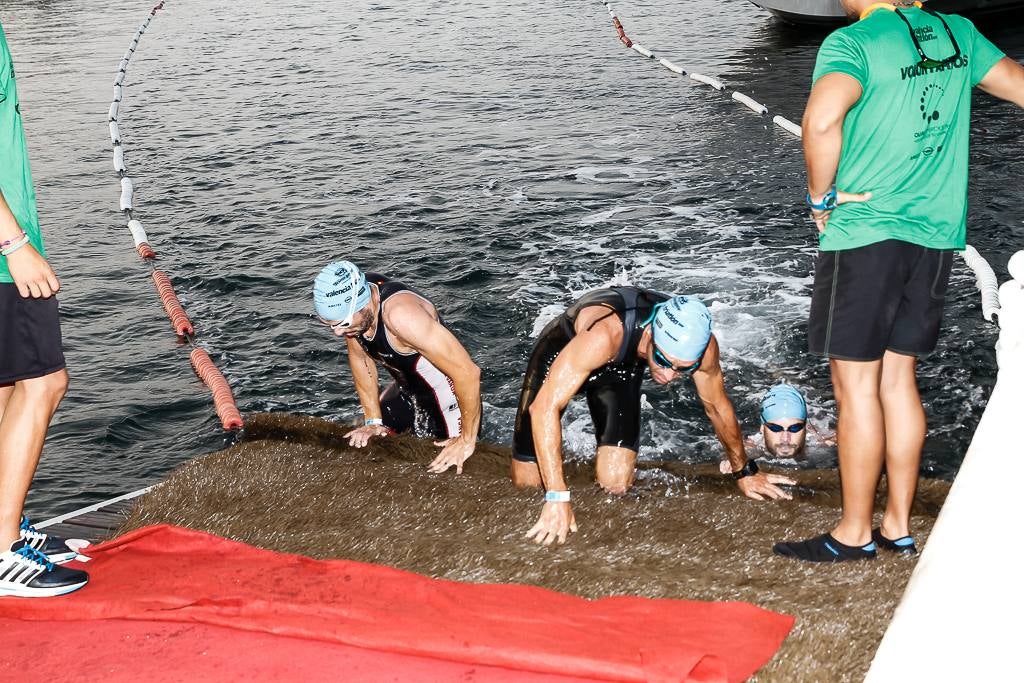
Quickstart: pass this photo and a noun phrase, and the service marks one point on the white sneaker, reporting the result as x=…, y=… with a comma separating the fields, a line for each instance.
x=54, y=548
x=25, y=572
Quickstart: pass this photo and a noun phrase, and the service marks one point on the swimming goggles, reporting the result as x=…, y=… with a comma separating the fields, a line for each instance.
x=662, y=362
x=926, y=61
x=778, y=429
x=341, y=325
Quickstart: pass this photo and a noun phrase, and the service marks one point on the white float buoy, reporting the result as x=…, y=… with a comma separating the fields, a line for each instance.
x=138, y=233
x=749, y=103
x=126, y=194
x=123, y=66
x=643, y=50
x=670, y=66
x=115, y=134
x=786, y=124
x=117, y=93
x=119, y=78
x=713, y=82
x=119, y=166
x=985, y=280
x=112, y=114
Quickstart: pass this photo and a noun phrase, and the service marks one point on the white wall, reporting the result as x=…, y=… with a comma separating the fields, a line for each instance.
x=961, y=616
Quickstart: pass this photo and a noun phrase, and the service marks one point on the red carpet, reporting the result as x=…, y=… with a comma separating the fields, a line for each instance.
x=233, y=602
x=121, y=651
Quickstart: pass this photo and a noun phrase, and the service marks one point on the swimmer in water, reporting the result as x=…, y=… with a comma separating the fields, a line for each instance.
x=436, y=388
x=784, y=427
x=600, y=347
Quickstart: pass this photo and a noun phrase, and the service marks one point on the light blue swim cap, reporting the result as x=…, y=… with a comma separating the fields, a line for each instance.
x=783, y=402
x=339, y=291
x=682, y=328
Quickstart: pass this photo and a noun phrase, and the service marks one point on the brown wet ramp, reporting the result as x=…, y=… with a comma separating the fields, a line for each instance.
x=684, y=532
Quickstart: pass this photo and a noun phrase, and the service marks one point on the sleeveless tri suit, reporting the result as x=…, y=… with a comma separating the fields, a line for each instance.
x=613, y=390
x=422, y=398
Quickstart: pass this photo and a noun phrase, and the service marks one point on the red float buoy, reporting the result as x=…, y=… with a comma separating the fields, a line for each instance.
x=179, y=321
x=223, y=399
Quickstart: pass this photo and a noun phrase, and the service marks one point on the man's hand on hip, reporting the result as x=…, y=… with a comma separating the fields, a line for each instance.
x=820, y=217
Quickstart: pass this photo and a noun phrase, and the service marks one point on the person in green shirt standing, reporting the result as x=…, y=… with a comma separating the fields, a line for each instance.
x=887, y=123
x=33, y=378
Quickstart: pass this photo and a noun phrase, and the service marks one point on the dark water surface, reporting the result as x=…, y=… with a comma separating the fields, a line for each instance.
x=503, y=157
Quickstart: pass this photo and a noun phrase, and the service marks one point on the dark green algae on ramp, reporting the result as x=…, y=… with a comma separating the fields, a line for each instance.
x=684, y=531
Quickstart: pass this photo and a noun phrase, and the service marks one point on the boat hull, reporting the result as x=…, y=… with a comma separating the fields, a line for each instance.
x=830, y=12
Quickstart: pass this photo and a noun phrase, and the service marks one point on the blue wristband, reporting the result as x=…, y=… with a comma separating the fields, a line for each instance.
x=373, y=421
x=828, y=202
x=556, y=497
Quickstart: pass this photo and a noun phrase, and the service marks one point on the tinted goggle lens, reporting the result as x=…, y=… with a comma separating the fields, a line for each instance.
x=662, y=362
x=792, y=429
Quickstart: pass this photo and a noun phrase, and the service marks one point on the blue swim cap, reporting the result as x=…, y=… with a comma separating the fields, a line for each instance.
x=783, y=402
x=339, y=291
x=682, y=328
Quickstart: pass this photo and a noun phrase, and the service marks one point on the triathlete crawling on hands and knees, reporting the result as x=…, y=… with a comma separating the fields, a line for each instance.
x=600, y=347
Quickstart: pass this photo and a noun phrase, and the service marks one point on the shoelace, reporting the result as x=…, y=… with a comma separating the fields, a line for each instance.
x=28, y=530
x=35, y=557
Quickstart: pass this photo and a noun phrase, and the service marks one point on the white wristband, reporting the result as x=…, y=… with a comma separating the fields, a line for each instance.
x=373, y=421
x=556, y=497
x=15, y=247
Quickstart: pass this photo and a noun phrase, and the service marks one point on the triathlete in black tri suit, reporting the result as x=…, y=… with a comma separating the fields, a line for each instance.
x=436, y=388
x=600, y=347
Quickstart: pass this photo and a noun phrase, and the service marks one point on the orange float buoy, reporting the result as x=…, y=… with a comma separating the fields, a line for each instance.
x=179, y=321
x=223, y=399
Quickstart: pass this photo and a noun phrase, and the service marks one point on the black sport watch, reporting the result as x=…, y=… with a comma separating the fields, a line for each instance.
x=748, y=469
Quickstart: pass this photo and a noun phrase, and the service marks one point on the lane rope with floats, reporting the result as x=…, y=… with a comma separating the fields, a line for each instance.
x=738, y=97
x=985, y=278
x=205, y=368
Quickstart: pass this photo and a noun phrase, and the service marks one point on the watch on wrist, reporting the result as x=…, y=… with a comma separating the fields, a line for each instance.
x=748, y=469
x=828, y=202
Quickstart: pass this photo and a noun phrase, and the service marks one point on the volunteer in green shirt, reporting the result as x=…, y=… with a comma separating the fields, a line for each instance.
x=887, y=122
x=32, y=375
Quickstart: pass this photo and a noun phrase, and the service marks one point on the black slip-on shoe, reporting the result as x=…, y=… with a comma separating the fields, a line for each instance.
x=903, y=546
x=824, y=548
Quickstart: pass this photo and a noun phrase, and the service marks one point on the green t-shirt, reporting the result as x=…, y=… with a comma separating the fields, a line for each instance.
x=906, y=138
x=15, y=174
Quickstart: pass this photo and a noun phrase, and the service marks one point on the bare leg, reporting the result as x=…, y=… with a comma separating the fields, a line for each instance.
x=904, y=438
x=861, y=445
x=5, y=398
x=526, y=474
x=615, y=468
x=28, y=407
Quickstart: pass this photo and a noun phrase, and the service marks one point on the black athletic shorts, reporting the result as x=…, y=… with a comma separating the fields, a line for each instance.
x=30, y=341
x=403, y=412
x=885, y=296
x=613, y=397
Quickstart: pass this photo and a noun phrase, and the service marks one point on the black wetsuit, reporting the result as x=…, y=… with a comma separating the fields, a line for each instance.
x=422, y=398
x=612, y=390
